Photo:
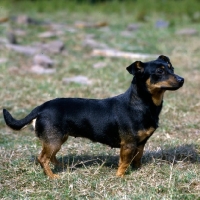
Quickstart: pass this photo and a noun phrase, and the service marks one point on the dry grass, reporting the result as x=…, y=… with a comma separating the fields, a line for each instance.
x=171, y=162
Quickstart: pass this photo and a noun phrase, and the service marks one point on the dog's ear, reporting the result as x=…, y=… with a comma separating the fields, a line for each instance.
x=136, y=67
x=162, y=57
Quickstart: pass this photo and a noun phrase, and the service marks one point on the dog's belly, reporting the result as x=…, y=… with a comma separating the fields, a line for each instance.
x=108, y=138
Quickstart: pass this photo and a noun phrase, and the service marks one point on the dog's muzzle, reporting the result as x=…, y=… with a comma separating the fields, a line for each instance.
x=180, y=80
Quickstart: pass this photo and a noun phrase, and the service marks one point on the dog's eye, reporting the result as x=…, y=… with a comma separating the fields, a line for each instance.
x=160, y=71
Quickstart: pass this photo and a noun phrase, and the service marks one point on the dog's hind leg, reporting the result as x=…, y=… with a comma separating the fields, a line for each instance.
x=48, y=154
x=53, y=158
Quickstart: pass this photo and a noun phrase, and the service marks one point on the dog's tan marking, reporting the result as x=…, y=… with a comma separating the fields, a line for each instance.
x=157, y=93
x=48, y=153
x=170, y=82
x=126, y=156
x=130, y=153
x=137, y=156
x=143, y=134
x=139, y=66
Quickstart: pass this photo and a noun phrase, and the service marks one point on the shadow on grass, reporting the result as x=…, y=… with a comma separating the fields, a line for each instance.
x=185, y=153
x=73, y=162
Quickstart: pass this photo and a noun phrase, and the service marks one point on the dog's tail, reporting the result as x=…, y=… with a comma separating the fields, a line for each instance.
x=19, y=124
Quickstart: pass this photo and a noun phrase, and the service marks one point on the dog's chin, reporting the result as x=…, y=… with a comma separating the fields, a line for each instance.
x=171, y=88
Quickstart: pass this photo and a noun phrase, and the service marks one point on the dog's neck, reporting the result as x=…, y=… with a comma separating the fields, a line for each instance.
x=139, y=95
x=142, y=100
x=148, y=94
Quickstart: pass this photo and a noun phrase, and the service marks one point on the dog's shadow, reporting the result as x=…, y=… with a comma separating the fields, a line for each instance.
x=184, y=153
x=73, y=162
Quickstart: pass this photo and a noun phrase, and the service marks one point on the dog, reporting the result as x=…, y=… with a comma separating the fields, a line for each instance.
x=125, y=121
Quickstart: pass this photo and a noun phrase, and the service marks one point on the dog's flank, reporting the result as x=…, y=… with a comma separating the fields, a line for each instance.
x=125, y=121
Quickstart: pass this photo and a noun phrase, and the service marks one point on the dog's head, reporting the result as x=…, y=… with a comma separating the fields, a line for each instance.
x=157, y=76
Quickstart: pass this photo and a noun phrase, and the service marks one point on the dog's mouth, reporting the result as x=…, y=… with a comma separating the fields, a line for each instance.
x=171, y=88
x=175, y=86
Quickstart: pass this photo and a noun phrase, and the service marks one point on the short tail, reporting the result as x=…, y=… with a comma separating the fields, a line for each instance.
x=19, y=124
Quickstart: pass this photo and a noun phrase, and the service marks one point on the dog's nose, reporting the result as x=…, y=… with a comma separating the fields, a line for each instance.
x=180, y=80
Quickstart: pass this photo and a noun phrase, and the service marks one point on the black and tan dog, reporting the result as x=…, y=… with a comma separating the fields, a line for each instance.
x=125, y=121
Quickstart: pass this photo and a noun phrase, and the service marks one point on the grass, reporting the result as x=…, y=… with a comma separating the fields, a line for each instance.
x=172, y=155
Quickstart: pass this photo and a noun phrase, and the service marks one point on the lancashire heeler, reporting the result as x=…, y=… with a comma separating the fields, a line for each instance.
x=125, y=121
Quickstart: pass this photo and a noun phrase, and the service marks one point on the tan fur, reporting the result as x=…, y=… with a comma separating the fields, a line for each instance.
x=157, y=93
x=143, y=134
x=126, y=156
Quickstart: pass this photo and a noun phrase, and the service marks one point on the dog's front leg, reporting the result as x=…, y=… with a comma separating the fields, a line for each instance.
x=127, y=151
x=136, y=163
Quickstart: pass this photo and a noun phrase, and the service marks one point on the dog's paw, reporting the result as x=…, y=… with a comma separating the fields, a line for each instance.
x=54, y=176
x=120, y=174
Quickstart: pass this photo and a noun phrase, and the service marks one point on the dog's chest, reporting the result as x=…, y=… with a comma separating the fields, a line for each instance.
x=140, y=124
x=144, y=134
